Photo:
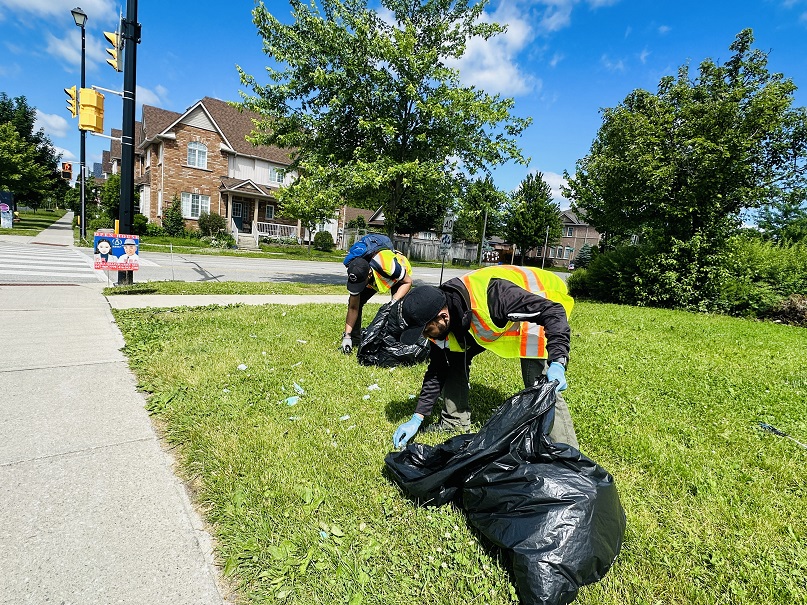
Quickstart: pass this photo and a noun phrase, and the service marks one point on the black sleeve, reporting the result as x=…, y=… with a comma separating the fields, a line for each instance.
x=509, y=302
x=433, y=381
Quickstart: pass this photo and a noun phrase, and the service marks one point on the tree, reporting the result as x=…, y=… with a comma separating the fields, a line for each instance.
x=686, y=160
x=22, y=118
x=369, y=99
x=109, y=196
x=583, y=257
x=173, y=221
x=532, y=213
x=786, y=217
x=20, y=171
x=306, y=202
x=480, y=213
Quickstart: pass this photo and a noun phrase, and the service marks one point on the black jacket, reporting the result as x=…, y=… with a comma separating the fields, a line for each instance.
x=506, y=302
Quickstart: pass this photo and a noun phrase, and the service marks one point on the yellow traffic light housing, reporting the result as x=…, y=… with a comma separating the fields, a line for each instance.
x=116, y=41
x=91, y=116
x=72, y=101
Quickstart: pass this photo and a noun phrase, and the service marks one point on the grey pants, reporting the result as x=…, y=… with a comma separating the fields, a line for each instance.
x=456, y=413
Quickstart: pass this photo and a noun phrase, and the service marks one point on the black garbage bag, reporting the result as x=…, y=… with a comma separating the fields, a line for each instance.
x=380, y=344
x=554, y=512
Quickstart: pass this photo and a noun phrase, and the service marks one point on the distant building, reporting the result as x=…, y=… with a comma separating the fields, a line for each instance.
x=576, y=234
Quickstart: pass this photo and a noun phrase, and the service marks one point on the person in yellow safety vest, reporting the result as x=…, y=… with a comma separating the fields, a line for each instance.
x=387, y=271
x=513, y=311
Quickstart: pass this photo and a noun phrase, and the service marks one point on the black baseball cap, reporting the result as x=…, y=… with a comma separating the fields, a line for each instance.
x=419, y=307
x=358, y=274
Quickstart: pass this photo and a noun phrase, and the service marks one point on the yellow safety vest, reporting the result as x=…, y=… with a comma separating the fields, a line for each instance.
x=516, y=339
x=382, y=283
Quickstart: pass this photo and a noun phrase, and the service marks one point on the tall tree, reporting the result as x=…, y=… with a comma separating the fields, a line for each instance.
x=22, y=117
x=480, y=212
x=20, y=171
x=306, y=202
x=369, y=99
x=533, y=218
x=687, y=160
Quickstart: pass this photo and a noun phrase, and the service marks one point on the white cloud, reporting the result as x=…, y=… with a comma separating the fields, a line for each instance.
x=66, y=154
x=95, y=9
x=556, y=58
x=145, y=96
x=611, y=65
x=643, y=56
x=492, y=65
x=664, y=29
x=55, y=125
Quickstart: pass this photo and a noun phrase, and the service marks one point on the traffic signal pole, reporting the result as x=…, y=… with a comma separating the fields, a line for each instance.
x=83, y=150
x=131, y=38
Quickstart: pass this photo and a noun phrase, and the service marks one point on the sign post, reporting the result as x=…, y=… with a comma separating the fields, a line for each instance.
x=446, y=240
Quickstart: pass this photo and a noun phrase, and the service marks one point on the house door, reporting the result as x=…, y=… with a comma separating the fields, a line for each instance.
x=238, y=215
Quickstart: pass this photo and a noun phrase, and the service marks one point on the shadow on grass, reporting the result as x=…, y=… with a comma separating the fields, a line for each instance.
x=482, y=400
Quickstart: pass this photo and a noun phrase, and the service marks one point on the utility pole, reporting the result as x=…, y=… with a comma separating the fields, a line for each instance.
x=130, y=32
x=80, y=17
x=546, y=241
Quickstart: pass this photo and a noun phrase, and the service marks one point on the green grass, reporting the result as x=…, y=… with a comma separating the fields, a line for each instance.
x=33, y=223
x=302, y=512
x=229, y=287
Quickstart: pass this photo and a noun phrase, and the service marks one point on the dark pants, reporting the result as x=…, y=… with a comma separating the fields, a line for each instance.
x=457, y=414
x=366, y=295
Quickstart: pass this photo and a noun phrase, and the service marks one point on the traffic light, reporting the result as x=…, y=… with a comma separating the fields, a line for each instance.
x=115, y=40
x=67, y=170
x=72, y=101
x=91, y=116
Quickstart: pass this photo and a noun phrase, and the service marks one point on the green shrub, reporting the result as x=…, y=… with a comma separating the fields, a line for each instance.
x=139, y=224
x=611, y=277
x=155, y=230
x=102, y=222
x=211, y=224
x=323, y=240
x=578, y=285
x=173, y=223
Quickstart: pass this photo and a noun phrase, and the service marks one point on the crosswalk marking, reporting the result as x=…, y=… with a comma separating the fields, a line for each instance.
x=46, y=264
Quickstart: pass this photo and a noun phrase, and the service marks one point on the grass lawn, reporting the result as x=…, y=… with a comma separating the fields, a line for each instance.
x=296, y=496
x=32, y=223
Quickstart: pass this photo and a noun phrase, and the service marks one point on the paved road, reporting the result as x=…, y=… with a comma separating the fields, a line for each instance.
x=160, y=266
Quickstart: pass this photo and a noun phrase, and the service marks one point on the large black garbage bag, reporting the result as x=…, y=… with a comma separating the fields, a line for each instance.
x=555, y=513
x=380, y=344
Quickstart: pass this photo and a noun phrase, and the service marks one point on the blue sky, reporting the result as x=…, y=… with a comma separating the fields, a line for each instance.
x=561, y=60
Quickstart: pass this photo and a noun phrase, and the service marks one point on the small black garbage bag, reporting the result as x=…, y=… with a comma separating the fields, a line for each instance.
x=554, y=512
x=380, y=344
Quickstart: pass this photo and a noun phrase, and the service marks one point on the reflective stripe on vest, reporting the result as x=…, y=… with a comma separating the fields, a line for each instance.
x=386, y=258
x=516, y=339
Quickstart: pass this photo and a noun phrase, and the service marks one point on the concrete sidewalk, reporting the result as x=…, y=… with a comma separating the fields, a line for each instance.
x=92, y=512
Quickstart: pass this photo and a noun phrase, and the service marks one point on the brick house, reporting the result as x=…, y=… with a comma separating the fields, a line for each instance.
x=576, y=234
x=202, y=157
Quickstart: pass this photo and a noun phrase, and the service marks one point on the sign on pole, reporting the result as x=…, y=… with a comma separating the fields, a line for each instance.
x=448, y=223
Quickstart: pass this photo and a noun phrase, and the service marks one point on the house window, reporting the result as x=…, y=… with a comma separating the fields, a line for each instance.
x=275, y=175
x=237, y=209
x=567, y=254
x=197, y=155
x=560, y=252
x=270, y=212
x=569, y=231
x=194, y=204
x=551, y=252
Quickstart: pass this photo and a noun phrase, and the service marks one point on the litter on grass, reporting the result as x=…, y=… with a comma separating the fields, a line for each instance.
x=302, y=342
x=225, y=390
x=366, y=397
x=296, y=364
x=292, y=400
x=242, y=367
x=345, y=417
x=374, y=387
x=294, y=417
x=299, y=389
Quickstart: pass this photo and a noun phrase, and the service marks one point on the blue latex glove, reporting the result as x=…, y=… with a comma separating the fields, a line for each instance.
x=406, y=431
x=556, y=371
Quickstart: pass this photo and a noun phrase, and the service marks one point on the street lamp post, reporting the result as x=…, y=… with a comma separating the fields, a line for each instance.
x=80, y=18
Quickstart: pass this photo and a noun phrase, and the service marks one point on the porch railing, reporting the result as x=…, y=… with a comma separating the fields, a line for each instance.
x=273, y=231
x=233, y=229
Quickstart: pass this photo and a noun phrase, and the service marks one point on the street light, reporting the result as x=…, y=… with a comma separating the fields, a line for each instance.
x=80, y=17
